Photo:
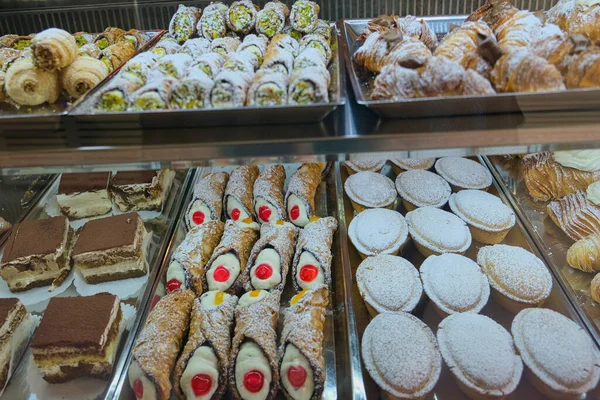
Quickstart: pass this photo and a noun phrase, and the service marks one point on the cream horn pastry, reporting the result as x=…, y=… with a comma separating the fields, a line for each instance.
x=270, y=258
x=238, y=193
x=300, y=196
x=108, y=37
x=312, y=259
x=207, y=204
x=157, y=347
x=255, y=371
x=27, y=85
x=229, y=260
x=186, y=269
x=301, y=361
x=202, y=371
x=83, y=75
x=53, y=49
x=268, y=194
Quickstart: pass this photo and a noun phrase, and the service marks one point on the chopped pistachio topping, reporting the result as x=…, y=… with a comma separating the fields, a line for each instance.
x=112, y=101
x=102, y=43
x=269, y=94
x=304, y=93
x=222, y=95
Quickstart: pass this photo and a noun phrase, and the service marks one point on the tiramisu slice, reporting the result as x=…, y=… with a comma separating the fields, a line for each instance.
x=84, y=195
x=37, y=253
x=108, y=249
x=78, y=336
x=16, y=328
x=141, y=190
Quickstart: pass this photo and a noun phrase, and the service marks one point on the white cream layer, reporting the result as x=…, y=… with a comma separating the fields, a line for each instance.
x=271, y=258
x=583, y=160
x=293, y=358
x=593, y=193
x=303, y=218
x=251, y=358
x=306, y=258
x=207, y=300
x=203, y=361
x=260, y=202
x=135, y=373
x=176, y=272
x=232, y=204
x=199, y=205
x=85, y=204
x=250, y=298
x=231, y=263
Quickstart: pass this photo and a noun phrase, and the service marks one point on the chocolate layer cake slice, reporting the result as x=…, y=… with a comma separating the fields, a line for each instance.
x=78, y=336
x=84, y=195
x=141, y=190
x=37, y=253
x=109, y=249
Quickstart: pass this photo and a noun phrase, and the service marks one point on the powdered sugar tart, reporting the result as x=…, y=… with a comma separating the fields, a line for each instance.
x=370, y=190
x=364, y=162
x=518, y=278
x=207, y=204
x=455, y=284
x=462, y=173
x=388, y=283
x=407, y=164
x=378, y=231
x=489, y=219
x=401, y=355
x=561, y=360
x=481, y=355
x=436, y=231
x=419, y=188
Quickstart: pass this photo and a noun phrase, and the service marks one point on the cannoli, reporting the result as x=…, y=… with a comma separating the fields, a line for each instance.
x=202, y=371
x=192, y=92
x=324, y=29
x=268, y=194
x=229, y=260
x=196, y=47
x=7, y=55
x=83, y=38
x=174, y=65
x=186, y=269
x=158, y=345
x=225, y=45
x=209, y=63
x=241, y=16
x=8, y=41
x=270, y=21
x=278, y=60
x=309, y=58
x=268, y=89
x=305, y=16
x=318, y=42
x=286, y=42
x=137, y=38
x=140, y=65
x=300, y=196
x=89, y=49
x=152, y=96
x=83, y=75
x=309, y=86
x=312, y=259
x=116, y=54
x=255, y=372
x=289, y=30
x=114, y=97
x=244, y=62
x=230, y=89
x=270, y=258
x=207, y=204
x=302, y=365
x=108, y=37
x=238, y=194
x=27, y=85
x=167, y=45
x=256, y=45
x=53, y=49
x=212, y=24
x=183, y=24
x=20, y=42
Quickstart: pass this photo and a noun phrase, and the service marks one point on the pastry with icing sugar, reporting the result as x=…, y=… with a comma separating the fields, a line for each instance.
x=420, y=188
x=575, y=215
x=187, y=267
x=400, y=165
x=207, y=204
x=253, y=360
x=202, y=371
x=301, y=361
x=268, y=195
x=229, y=260
x=300, y=196
x=238, y=193
x=364, y=162
x=271, y=256
x=462, y=173
x=157, y=347
x=312, y=258
x=370, y=190
x=577, y=17
x=378, y=231
x=561, y=359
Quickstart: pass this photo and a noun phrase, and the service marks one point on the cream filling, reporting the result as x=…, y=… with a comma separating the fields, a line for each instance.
x=199, y=206
x=203, y=361
x=272, y=259
x=22, y=279
x=233, y=204
x=593, y=193
x=124, y=266
x=260, y=202
x=583, y=160
x=208, y=299
x=231, y=264
x=177, y=272
x=306, y=258
x=252, y=297
x=303, y=217
x=85, y=204
x=251, y=358
x=292, y=358
x=135, y=373
x=13, y=350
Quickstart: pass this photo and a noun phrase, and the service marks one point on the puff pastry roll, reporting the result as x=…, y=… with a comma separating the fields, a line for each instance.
x=89, y=49
x=108, y=37
x=584, y=254
x=318, y=42
x=255, y=371
x=271, y=256
x=522, y=71
x=229, y=260
x=135, y=37
x=183, y=24
x=241, y=16
x=238, y=193
x=207, y=204
x=152, y=96
x=300, y=196
x=278, y=60
x=286, y=42
x=192, y=92
x=167, y=45
x=83, y=38
x=309, y=86
x=312, y=258
x=595, y=288
x=225, y=45
x=117, y=54
x=202, y=371
x=114, y=96
x=159, y=343
x=196, y=47
x=304, y=16
x=270, y=21
x=212, y=23
x=268, y=89
x=256, y=44
x=27, y=85
x=575, y=215
x=577, y=17
x=268, y=194
x=53, y=49
x=83, y=75
x=301, y=361
x=187, y=267
x=309, y=58
x=140, y=65
x=230, y=89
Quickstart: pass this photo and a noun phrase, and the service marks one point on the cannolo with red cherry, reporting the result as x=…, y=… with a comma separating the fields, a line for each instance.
x=207, y=204
x=238, y=193
x=268, y=195
x=300, y=196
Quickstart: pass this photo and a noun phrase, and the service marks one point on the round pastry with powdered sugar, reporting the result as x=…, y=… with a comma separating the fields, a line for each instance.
x=364, y=162
x=401, y=355
x=406, y=164
x=560, y=358
x=419, y=188
x=481, y=355
x=389, y=283
x=370, y=190
x=378, y=231
x=462, y=173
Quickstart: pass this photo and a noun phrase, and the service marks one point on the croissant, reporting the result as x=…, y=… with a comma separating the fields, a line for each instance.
x=575, y=215
x=83, y=75
x=31, y=86
x=595, y=288
x=373, y=51
x=408, y=53
x=409, y=26
x=584, y=69
x=396, y=82
x=584, y=254
x=577, y=17
x=53, y=49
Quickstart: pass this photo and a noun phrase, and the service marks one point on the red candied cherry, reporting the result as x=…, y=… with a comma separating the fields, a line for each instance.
x=198, y=217
x=221, y=274
x=309, y=272
x=253, y=381
x=295, y=213
x=173, y=285
x=201, y=384
x=263, y=271
x=235, y=214
x=297, y=376
x=138, y=388
x=264, y=213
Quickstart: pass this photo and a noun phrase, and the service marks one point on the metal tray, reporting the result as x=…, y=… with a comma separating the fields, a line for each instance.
x=362, y=81
x=446, y=388
x=162, y=228
x=87, y=118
